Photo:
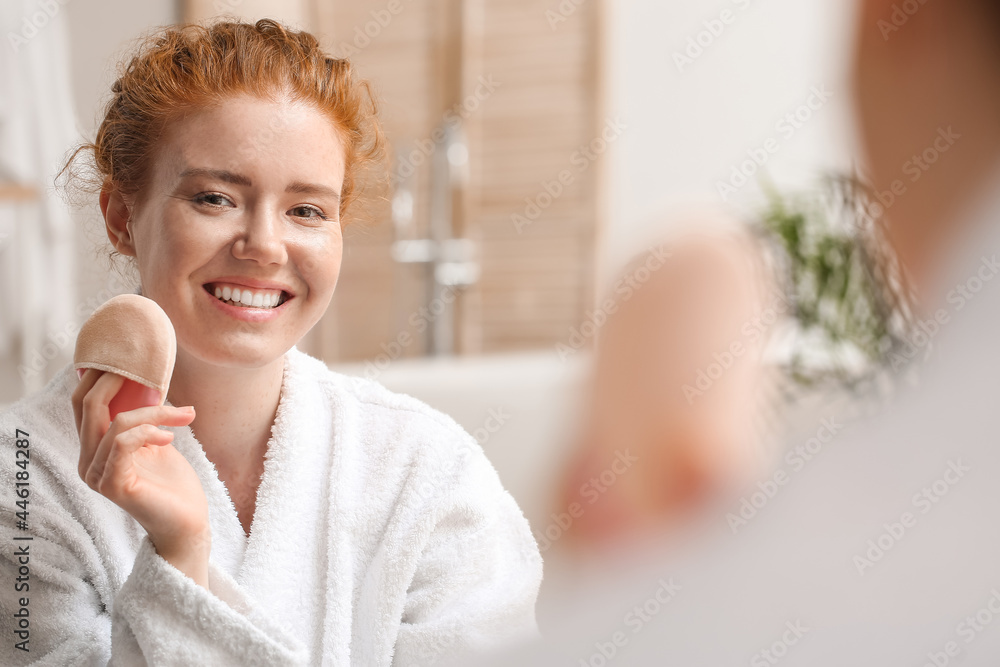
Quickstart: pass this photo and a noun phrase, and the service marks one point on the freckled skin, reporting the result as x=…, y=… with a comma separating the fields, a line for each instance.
x=182, y=243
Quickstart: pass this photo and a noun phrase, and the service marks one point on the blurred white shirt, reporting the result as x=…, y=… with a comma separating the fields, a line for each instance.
x=881, y=547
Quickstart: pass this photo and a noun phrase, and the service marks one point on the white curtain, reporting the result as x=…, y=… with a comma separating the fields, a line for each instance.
x=37, y=248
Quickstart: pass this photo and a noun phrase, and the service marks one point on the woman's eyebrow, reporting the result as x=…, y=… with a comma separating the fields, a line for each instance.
x=219, y=174
x=239, y=179
x=312, y=189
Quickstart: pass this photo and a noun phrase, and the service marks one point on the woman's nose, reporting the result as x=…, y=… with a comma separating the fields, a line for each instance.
x=262, y=240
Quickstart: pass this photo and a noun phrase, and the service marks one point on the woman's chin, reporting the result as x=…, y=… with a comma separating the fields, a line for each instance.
x=237, y=355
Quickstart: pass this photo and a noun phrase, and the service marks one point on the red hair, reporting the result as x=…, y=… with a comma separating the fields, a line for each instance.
x=182, y=68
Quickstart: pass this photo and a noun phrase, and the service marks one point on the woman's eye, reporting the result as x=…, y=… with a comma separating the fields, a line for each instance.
x=308, y=212
x=213, y=199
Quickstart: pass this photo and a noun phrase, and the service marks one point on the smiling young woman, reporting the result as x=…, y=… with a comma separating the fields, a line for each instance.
x=289, y=514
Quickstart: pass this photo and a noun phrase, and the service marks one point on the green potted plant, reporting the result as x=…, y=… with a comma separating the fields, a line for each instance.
x=850, y=302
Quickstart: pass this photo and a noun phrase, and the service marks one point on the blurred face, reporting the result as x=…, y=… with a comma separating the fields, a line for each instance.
x=238, y=235
x=922, y=81
x=897, y=85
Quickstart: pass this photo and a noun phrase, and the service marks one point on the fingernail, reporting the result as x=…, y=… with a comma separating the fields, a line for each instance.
x=80, y=372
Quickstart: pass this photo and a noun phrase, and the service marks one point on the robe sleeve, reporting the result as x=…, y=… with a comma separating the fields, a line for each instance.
x=478, y=574
x=159, y=616
x=163, y=617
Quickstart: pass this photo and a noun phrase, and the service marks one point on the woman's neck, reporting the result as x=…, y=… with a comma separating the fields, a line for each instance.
x=234, y=408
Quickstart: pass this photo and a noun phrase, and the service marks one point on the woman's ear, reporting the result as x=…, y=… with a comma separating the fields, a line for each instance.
x=117, y=215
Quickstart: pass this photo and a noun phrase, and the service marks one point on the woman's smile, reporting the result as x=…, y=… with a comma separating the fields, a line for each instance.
x=249, y=292
x=249, y=305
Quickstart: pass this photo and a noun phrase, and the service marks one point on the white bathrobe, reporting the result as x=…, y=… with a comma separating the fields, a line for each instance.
x=382, y=536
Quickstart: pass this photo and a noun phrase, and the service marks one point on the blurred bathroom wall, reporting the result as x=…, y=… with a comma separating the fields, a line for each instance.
x=56, y=66
x=100, y=31
x=655, y=106
x=702, y=83
x=487, y=241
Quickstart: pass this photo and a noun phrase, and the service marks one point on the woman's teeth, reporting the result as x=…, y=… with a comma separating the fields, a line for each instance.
x=246, y=298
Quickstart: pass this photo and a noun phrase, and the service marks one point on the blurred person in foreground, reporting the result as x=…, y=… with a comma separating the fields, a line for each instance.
x=883, y=547
x=674, y=397
x=673, y=417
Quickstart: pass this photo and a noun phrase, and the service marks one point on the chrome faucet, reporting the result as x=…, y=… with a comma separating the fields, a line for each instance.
x=452, y=263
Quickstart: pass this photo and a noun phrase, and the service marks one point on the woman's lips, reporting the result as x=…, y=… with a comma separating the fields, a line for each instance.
x=248, y=314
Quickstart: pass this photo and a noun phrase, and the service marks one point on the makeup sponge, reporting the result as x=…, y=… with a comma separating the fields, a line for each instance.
x=131, y=336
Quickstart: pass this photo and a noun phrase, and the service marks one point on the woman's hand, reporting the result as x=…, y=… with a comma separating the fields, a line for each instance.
x=132, y=463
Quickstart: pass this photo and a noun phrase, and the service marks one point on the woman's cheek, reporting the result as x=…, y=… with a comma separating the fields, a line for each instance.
x=321, y=269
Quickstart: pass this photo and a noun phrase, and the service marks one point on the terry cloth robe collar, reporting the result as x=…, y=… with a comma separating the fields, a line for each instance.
x=290, y=507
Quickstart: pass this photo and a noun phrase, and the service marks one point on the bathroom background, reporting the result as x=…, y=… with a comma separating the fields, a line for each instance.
x=538, y=145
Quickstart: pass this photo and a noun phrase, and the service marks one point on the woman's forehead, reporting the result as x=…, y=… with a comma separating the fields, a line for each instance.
x=250, y=120
x=235, y=147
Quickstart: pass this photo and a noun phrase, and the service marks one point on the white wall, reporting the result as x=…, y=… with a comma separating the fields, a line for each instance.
x=687, y=129
x=98, y=30
x=101, y=31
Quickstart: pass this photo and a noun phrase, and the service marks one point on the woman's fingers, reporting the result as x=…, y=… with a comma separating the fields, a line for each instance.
x=163, y=415
x=98, y=432
x=95, y=418
x=158, y=415
x=154, y=415
x=114, y=454
x=87, y=381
